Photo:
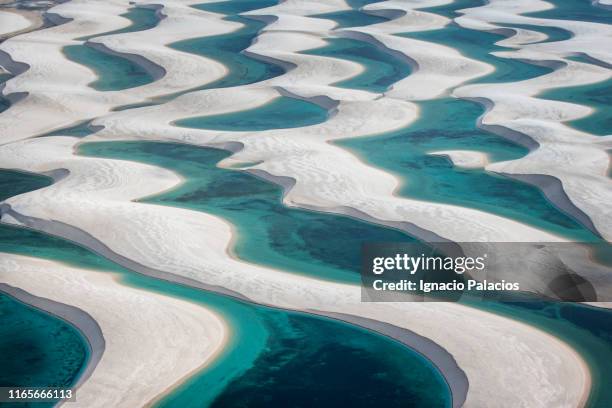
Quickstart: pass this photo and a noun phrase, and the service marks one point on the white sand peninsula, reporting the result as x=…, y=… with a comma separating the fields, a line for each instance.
x=148, y=342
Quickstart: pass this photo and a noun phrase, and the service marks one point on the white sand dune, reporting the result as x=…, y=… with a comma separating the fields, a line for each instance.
x=151, y=341
x=12, y=22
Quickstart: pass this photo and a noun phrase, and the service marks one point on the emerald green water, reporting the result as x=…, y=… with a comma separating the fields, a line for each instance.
x=114, y=73
x=268, y=232
x=281, y=112
x=382, y=69
x=142, y=18
x=265, y=343
x=351, y=18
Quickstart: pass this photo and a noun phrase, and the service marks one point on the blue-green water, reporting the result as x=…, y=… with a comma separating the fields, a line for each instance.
x=557, y=318
x=266, y=343
x=581, y=10
x=382, y=69
x=357, y=4
x=268, y=232
x=114, y=73
x=4, y=103
x=235, y=6
x=81, y=129
x=479, y=45
x=597, y=96
x=449, y=124
x=228, y=49
x=552, y=33
x=142, y=18
x=351, y=18
x=35, y=347
x=281, y=112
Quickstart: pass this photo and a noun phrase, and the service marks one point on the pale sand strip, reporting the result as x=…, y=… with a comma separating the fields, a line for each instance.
x=12, y=22
x=468, y=159
x=152, y=342
x=194, y=245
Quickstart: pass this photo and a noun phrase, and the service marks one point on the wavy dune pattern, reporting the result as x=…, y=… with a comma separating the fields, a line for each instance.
x=103, y=203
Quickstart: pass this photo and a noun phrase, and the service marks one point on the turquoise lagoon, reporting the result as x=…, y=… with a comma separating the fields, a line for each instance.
x=115, y=73
x=266, y=343
x=227, y=49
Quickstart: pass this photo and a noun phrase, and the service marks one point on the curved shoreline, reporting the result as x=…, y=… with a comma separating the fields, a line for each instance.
x=81, y=320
